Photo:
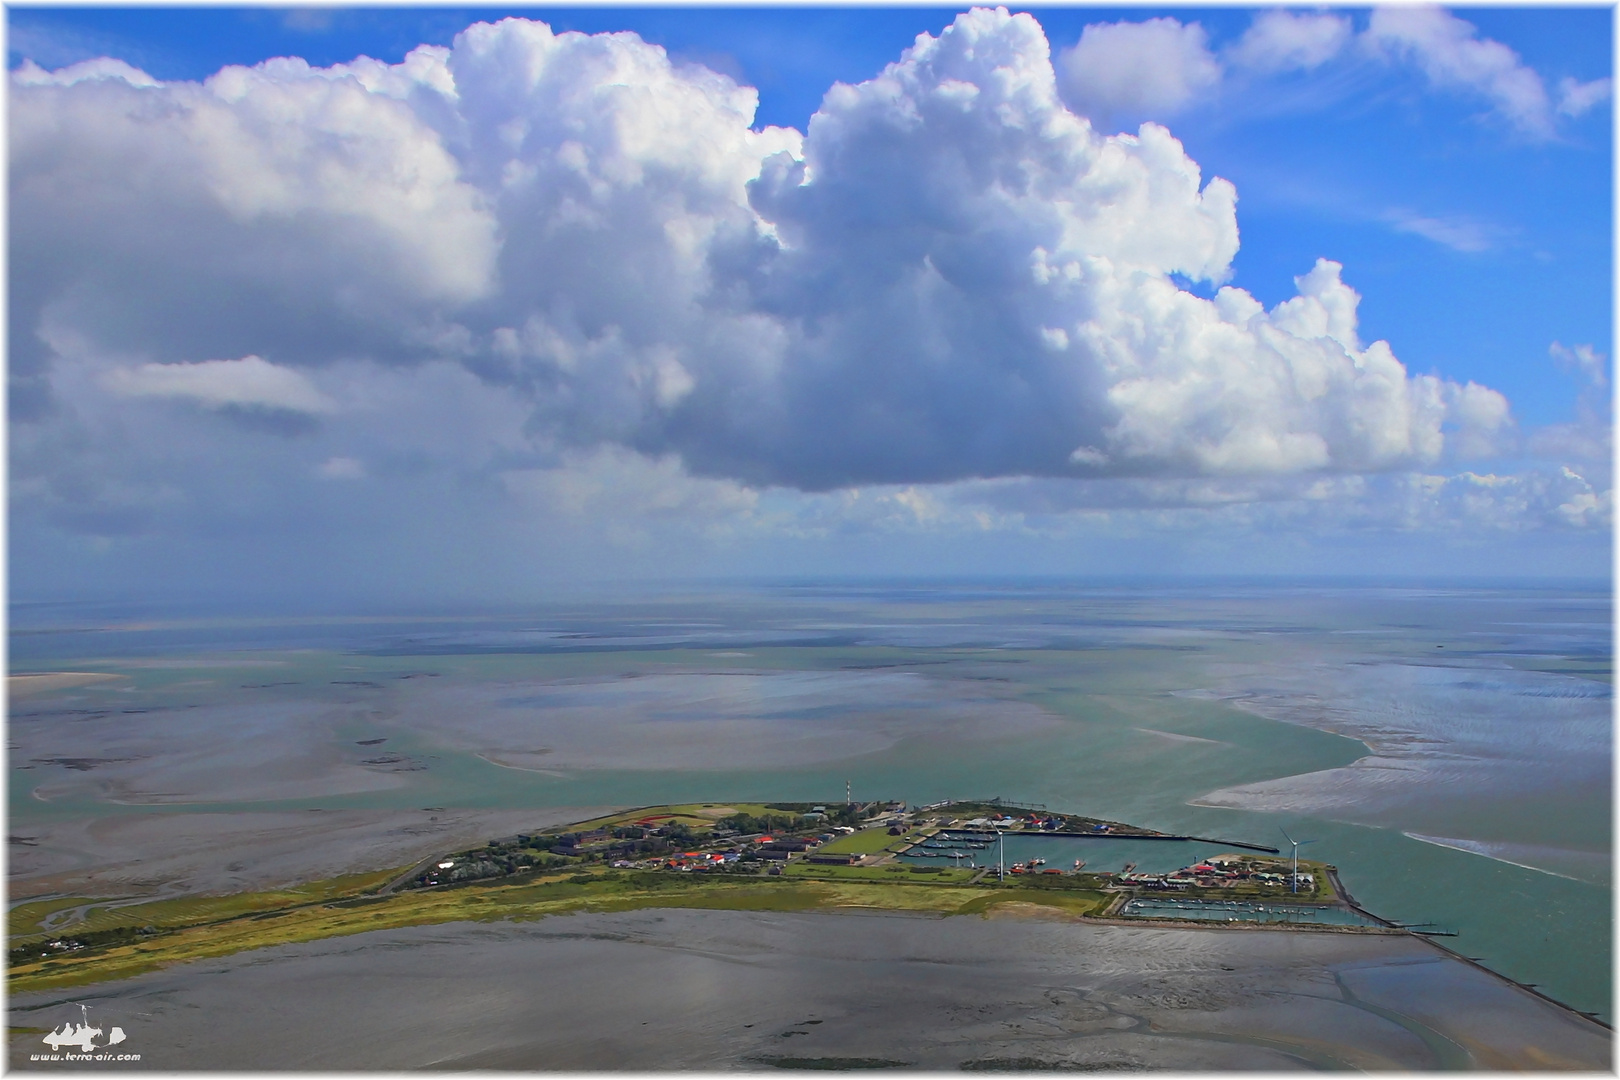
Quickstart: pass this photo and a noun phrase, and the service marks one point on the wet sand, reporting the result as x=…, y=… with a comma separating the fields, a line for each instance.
x=22, y=686
x=679, y=989
x=204, y=742
x=693, y=719
x=1471, y=754
x=172, y=854
x=147, y=752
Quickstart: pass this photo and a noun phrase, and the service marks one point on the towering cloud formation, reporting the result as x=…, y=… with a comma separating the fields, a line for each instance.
x=950, y=275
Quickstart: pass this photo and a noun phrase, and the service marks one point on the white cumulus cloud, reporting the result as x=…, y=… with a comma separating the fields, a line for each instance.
x=274, y=210
x=1150, y=69
x=555, y=266
x=1280, y=40
x=29, y=73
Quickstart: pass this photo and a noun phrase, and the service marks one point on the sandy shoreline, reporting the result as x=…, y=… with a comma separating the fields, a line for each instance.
x=683, y=989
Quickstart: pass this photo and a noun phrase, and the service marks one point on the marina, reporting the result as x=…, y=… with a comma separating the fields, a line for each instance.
x=1098, y=854
x=1231, y=911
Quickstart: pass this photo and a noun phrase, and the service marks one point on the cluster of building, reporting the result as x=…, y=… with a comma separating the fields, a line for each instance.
x=1032, y=821
x=666, y=841
x=1219, y=871
x=686, y=860
x=1034, y=866
x=729, y=850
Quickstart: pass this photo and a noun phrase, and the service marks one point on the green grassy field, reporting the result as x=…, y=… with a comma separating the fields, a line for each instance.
x=1077, y=902
x=260, y=922
x=696, y=815
x=900, y=874
x=862, y=842
x=28, y=918
x=25, y=923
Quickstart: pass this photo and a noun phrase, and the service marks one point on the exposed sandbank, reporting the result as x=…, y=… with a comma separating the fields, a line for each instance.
x=21, y=686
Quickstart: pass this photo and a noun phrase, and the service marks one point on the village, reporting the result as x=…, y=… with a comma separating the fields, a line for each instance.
x=964, y=858
x=945, y=843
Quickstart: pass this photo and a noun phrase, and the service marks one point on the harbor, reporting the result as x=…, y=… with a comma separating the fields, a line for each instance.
x=1100, y=854
x=1242, y=911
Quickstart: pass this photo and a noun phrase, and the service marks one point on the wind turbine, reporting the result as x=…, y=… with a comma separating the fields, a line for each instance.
x=1293, y=879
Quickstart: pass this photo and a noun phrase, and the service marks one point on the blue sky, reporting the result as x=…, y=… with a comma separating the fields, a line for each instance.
x=748, y=381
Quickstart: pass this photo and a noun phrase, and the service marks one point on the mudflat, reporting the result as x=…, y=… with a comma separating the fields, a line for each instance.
x=39, y=682
x=688, y=989
x=190, y=853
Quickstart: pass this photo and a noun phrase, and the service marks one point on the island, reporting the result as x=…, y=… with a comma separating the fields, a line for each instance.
x=778, y=856
x=727, y=935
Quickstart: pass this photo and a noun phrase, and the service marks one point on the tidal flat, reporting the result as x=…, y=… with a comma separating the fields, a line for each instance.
x=681, y=989
x=1448, y=749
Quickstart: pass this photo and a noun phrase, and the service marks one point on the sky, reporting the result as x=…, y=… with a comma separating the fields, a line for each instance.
x=392, y=305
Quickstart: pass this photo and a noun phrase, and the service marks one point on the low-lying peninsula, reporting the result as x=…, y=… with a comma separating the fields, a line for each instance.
x=1108, y=961
x=948, y=859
